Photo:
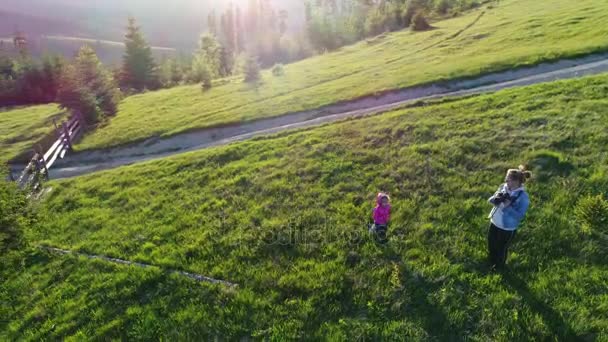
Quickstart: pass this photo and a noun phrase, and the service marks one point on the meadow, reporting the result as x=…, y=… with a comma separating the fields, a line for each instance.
x=500, y=36
x=22, y=127
x=285, y=217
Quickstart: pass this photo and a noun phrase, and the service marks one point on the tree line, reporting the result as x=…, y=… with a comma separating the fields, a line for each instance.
x=331, y=24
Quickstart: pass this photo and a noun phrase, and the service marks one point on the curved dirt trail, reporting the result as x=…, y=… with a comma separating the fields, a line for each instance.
x=91, y=161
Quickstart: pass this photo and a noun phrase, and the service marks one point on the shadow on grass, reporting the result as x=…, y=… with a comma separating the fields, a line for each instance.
x=556, y=324
x=430, y=316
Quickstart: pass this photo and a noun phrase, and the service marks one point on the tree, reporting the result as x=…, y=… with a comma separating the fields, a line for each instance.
x=374, y=24
x=251, y=69
x=212, y=23
x=210, y=53
x=240, y=33
x=88, y=88
x=283, y=15
x=226, y=62
x=443, y=6
x=166, y=69
x=139, y=71
x=230, y=40
x=24, y=80
x=199, y=70
x=52, y=68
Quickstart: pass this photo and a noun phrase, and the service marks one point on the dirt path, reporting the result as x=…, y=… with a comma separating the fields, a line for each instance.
x=90, y=161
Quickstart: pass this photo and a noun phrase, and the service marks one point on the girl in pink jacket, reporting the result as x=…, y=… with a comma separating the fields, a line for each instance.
x=381, y=215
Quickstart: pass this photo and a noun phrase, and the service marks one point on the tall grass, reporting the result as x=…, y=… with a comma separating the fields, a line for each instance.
x=284, y=217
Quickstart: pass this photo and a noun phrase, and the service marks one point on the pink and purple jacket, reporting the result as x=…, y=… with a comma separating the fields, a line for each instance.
x=381, y=214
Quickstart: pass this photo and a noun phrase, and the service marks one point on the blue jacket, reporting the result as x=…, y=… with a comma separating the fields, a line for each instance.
x=514, y=213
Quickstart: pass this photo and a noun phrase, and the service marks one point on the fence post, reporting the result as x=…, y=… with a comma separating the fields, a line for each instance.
x=81, y=121
x=80, y=118
x=46, y=170
x=81, y=124
x=66, y=135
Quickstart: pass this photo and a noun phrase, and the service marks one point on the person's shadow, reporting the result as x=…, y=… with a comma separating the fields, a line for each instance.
x=560, y=328
x=430, y=316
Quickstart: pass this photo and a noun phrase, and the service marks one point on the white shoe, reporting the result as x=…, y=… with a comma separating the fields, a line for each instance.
x=372, y=228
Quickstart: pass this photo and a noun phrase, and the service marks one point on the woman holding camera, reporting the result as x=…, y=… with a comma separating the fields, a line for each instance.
x=510, y=205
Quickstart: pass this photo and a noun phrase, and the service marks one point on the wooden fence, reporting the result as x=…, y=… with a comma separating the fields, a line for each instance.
x=37, y=169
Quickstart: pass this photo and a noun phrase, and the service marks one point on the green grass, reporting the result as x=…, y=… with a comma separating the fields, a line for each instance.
x=514, y=33
x=22, y=127
x=284, y=217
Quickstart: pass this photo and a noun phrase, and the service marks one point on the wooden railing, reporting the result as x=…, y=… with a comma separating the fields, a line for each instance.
x=37, y=170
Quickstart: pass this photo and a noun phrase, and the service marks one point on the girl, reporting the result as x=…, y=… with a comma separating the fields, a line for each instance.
x=381, y=215
x=510, y=205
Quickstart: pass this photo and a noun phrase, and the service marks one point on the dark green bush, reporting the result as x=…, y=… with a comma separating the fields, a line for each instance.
x=419, y=22
x=278, y=70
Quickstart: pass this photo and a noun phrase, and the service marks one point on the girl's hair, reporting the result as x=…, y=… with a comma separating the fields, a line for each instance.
x=382, y=195
x=520, y=174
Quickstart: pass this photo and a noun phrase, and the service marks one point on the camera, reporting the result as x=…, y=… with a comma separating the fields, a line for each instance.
x=502, y=197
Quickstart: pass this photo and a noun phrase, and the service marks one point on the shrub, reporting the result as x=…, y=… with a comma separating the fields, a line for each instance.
x=251, y=69
x=278, y=70
x=592, y=213
x=442, y=7
x=419, y=22
x=15, y=217
x=206, y=82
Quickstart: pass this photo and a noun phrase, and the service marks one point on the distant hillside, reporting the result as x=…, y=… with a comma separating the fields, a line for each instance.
x=109, y=52
x=34, y=25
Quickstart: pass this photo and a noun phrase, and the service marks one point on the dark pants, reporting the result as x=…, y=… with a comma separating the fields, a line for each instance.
x=498, y=245
x=381, y=233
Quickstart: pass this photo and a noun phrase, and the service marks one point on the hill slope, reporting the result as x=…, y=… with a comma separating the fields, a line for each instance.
x=285, y=218
x=22, y=127
x=515, y=33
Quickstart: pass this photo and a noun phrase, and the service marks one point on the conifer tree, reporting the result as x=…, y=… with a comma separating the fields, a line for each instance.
x=139, y=71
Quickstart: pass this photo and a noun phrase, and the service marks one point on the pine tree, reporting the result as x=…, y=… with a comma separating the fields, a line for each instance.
x=283, y=15
x=87, y=87
x=223, y=29
x=229, y=37
x=212, y=23
x=139, y=71
x=252, y=19
x=240, y=34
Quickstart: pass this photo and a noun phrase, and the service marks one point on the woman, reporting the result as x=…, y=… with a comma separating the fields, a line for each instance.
x=510, y=205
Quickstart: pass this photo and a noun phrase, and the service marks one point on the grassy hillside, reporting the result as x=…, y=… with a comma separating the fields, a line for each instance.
x=514, y=33
x=285, y=217
x=22, y=127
